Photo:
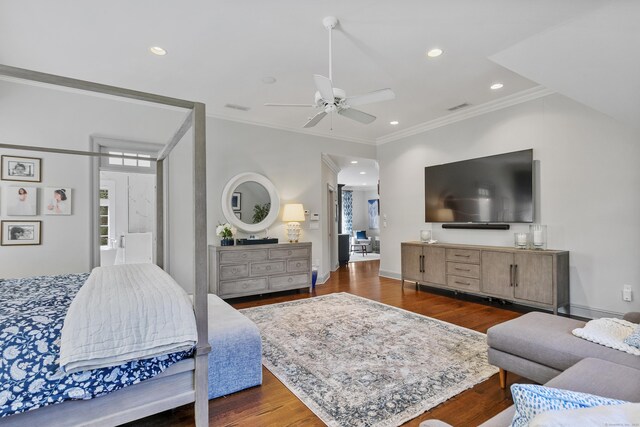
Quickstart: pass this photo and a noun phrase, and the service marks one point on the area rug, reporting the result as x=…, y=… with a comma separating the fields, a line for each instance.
x=357, y=362
x=358, y=257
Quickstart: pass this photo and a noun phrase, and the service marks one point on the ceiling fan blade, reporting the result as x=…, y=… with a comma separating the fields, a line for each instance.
x=270, y=104
x=325, y=87
x=357, y=115
x=315, y=119
x=371, y=97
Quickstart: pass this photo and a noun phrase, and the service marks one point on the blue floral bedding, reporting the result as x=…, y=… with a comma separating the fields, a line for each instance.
x=32, y=312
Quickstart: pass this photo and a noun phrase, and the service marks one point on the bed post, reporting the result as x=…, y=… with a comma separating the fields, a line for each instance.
x=160, y=213
x=200, y=296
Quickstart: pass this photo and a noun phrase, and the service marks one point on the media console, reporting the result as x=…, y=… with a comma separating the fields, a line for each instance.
x=537, y=278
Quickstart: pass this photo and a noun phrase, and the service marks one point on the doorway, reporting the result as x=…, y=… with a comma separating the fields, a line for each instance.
x=124, y=203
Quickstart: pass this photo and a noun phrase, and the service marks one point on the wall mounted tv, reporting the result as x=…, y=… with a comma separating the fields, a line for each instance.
x=493, y=189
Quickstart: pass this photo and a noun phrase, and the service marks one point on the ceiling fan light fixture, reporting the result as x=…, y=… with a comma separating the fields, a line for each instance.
x=435, y=52
x=157, y=50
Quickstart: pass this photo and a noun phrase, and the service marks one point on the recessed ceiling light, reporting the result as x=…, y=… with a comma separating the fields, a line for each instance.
x=433, y=53
x=363, y=173
x=269, y=80
x=496, y=86
x=157, y=50
x=354, y=162
x=395, y=122
x=364, y=183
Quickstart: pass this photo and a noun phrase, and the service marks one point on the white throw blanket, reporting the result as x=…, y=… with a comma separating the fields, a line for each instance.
x=610, y=333
x=124, y=313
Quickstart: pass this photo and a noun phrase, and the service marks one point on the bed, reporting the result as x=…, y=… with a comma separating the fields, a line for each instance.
x=32, y=311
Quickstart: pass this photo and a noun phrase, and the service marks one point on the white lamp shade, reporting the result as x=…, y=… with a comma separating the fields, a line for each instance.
x=293, y=212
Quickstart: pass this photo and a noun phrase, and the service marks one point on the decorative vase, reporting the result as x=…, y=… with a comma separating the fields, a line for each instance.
x=226, y=241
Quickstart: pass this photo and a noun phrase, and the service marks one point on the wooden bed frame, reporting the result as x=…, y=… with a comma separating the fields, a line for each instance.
x=186, y=381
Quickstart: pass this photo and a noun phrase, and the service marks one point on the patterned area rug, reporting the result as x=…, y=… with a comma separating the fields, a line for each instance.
x=357, y=362
x=358, y=257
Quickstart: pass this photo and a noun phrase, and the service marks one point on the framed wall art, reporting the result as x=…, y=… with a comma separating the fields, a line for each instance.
x=21, y=169
x=22, y=201
x=20, y=233
x=57, y=201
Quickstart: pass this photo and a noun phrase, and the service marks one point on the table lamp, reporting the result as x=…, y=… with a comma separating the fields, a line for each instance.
x=293, y=214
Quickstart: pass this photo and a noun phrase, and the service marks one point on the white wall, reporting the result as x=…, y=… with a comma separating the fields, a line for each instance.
x=40, y=116
x=292, y=161
x=587, y=191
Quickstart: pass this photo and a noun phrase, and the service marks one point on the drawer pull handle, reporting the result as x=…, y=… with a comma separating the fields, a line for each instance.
x=235, y=271
x=464, y=256
x=290, y=280
x=268, y=268
x=298, y=264
x=289, y=253
x=244, y=255
x=463, y=283
x=463, y=269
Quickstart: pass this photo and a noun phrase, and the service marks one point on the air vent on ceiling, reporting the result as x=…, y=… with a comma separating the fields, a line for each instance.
x=237, y=107
x=458, y=107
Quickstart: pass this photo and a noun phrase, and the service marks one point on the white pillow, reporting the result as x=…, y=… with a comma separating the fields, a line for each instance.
x=626, y=414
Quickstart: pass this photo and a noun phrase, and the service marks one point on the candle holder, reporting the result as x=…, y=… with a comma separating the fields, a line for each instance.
x=538, y=235
x=425, y=236
x=520, y=240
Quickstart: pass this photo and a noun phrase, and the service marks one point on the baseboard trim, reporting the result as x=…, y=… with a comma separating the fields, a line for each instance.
x=389, y=274
x=592, y=313
x=323, y=278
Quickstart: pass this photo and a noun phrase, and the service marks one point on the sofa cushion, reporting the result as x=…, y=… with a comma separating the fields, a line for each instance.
x=531, y=400
x=602, y=378
x=626, y=414
x=547, y=340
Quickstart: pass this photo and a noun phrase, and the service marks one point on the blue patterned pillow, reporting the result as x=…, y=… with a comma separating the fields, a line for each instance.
x=361, y=235
x=530, y=400
x=634, y=339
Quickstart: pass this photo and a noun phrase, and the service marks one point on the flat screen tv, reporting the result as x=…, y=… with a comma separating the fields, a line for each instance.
x=484, y=190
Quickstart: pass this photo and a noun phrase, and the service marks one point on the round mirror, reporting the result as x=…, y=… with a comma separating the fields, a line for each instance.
x=250, y=202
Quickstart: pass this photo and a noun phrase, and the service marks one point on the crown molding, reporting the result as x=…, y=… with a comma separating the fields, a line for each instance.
x=330, y=163
x=358, y=140
x=478, y=110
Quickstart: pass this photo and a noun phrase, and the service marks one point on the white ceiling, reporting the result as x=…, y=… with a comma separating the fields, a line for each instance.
x=218, y=51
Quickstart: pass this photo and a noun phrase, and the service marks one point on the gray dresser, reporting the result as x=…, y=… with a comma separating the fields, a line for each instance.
x=237, y=271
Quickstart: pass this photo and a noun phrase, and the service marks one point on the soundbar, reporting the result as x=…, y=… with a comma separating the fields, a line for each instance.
x=477, y=226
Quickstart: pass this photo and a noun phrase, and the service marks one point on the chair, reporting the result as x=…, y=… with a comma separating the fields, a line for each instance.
x=360, y=242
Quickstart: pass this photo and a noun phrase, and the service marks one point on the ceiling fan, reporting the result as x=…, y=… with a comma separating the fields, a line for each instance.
x=331, y=99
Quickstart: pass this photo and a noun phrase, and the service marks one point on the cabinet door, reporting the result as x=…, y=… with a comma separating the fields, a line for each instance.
x=411, y=262
x=496, y=273
x=534, y=277
x=435, y=265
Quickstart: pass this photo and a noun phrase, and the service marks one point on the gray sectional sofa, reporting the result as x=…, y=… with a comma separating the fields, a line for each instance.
x=541, y=347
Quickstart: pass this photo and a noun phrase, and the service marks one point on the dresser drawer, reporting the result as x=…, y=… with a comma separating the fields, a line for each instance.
x=466, y=270
x=288, y=282
x=243, y=286
x=295, y=265
x=463, y=283
x=288, y=253
x=266, y=268
x=235, y=257
x=237, y=271
x=463, y=255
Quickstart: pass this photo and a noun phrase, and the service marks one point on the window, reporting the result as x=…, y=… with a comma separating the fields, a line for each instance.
x=135, y=160
x=105, y=217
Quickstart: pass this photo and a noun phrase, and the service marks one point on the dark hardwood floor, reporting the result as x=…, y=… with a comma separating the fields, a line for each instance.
x=272, y=404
